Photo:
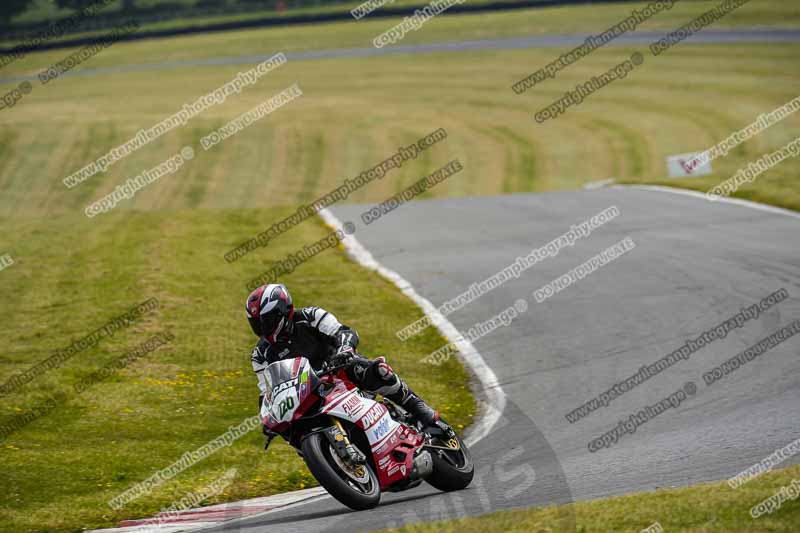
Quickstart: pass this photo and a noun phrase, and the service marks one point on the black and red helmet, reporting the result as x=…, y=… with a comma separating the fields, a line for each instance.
x=270, y=311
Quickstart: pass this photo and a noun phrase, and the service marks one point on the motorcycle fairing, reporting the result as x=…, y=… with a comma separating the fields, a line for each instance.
x=293, y=387
x=392, y=444
x=290, y=388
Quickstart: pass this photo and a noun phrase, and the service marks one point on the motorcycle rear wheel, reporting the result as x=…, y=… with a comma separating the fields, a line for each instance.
x=452, y=470
x=317, y=453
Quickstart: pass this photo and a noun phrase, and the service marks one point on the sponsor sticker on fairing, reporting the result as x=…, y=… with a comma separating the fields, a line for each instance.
x=381, y=429
x=283, y=386
x=353, y=406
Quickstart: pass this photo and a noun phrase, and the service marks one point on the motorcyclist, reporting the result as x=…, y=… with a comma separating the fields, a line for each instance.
x=317, y=335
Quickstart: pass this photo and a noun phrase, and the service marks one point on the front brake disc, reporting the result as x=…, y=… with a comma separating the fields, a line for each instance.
x=357, y=473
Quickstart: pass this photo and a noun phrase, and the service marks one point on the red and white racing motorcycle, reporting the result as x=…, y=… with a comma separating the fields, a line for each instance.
x=354, y=446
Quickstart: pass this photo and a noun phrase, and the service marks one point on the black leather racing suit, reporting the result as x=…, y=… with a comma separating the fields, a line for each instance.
x=317, y=335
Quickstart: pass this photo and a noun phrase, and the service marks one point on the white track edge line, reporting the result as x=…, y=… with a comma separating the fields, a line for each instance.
x=495, y=397
x=721, y=199
x=225, y=524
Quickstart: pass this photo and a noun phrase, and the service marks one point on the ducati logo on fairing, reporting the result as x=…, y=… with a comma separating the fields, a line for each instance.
x=372, y=415
x=283, y=386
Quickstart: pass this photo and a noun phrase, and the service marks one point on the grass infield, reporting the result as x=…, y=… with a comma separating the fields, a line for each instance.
x=142, y=410
x=706, y=508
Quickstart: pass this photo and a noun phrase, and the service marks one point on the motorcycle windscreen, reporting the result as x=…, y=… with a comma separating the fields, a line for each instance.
x=282, y=380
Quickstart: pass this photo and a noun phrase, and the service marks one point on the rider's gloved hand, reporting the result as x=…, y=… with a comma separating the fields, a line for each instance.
x=343, y=356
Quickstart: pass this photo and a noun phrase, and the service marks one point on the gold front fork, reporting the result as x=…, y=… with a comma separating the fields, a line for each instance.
x=341, y=430
x=358, y=470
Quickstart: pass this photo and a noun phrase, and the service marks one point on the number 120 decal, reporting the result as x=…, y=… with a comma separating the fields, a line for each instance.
x=285, y=405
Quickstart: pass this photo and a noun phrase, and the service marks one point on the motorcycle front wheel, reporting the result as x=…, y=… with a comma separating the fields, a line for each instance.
x=356, y=487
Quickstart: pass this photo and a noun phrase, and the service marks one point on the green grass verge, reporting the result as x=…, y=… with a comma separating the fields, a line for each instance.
x=707, y=508
x=73, y=274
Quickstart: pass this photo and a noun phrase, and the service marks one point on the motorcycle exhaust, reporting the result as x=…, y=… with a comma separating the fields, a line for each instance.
x=423, y=465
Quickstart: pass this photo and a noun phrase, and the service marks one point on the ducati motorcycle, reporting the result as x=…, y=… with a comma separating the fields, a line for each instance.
x=355, y=446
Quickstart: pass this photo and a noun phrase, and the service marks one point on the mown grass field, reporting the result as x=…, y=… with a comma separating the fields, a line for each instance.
x=707, y=508
x=71, y=274
x=356, y=111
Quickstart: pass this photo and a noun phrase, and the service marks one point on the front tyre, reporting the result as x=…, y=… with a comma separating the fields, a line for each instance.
x=452, y=468
x=357, y=488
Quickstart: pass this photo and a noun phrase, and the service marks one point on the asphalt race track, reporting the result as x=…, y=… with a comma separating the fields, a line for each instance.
x=695, y=265
x=708, y=36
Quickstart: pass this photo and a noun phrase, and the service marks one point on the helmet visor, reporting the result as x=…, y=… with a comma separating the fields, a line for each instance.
x=271, y=325
x=255, y=324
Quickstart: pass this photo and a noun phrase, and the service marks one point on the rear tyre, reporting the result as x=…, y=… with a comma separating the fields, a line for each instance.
x=340, y=483
x=452, y=470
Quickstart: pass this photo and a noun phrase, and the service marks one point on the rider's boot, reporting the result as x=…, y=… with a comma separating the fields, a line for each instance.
x=408, y=400
x=398, y=391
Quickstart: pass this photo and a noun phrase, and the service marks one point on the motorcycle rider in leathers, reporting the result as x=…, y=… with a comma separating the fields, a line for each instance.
x=314, y=333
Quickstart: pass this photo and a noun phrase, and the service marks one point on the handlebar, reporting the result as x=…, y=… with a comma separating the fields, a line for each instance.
x=330, y=369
